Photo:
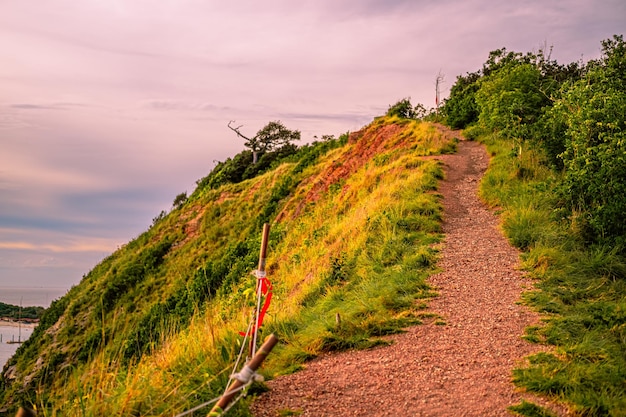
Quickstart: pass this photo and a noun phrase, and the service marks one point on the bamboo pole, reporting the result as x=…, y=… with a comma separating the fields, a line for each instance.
x=260, y=272
x=247, y=372
x=263, y=253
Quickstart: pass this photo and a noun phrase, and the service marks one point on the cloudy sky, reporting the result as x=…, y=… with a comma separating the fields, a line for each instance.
x=110, y=108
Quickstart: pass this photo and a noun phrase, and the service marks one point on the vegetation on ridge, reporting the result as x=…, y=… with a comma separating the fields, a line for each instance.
x=558, y=177
x=353, y=224
x=16, y=312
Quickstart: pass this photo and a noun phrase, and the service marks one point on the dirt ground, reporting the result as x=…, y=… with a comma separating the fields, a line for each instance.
x=462, y=368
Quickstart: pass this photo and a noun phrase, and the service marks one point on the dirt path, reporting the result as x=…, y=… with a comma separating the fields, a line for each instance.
x=460, y=369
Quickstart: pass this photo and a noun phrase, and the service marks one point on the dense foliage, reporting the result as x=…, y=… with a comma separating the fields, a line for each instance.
x=558, y=176
x=461, y=108
x=593, y=112
x=575, y=112
x=510, y=100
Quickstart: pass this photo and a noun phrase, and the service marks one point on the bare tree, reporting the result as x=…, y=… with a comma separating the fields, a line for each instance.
x=270, y=137
x=438, y=82
x=250, y=143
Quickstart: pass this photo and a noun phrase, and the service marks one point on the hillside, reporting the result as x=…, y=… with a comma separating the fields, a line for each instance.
x=356, y=243
x=152, y=328
x=459, y=362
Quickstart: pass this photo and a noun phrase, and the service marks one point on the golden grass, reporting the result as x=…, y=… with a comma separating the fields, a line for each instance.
x=358, y=210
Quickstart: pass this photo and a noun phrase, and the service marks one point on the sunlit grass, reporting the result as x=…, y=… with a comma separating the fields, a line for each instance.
x=358, y=248
x=580, y=289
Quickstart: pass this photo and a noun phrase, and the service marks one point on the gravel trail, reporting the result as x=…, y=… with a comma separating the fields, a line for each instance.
x=462, y=368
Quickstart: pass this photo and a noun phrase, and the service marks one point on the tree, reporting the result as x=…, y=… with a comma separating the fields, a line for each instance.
x=438, y=82
x=460, y=108
x=510, y=100
x=180, y=200
x=271, y=137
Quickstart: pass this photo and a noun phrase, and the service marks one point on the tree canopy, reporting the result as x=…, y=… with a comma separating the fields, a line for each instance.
x=272, y=136
x=576, y=112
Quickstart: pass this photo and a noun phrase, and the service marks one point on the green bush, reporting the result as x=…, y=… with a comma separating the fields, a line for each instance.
x=594, y=112
x=405, y=110
x=180, y=200
x=474, y=132
x=240, y=167
x=229, y=171
x=460, y=108
x=510, y=100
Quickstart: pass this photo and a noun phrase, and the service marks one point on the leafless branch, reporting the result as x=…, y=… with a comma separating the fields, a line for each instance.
x=237, y=131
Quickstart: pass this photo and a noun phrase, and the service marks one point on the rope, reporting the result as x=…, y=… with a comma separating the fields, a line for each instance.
x=245, y=375
x=243, y=345
x=196, y=408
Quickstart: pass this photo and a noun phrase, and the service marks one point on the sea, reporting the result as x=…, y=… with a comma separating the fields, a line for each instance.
x=26, y=296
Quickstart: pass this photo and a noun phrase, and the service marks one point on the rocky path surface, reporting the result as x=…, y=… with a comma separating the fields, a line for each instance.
x=460, y=369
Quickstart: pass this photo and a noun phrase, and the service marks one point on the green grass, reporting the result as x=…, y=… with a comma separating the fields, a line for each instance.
x=580, y=288
x=529, y=409
x=165, y=337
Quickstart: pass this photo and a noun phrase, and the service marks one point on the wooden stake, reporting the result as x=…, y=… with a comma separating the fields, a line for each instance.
x=263, y=253
x=260, y=271
x=253, y=365
x=25, y=412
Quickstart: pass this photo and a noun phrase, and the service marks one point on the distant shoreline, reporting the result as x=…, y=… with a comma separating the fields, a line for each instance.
x=16, y=323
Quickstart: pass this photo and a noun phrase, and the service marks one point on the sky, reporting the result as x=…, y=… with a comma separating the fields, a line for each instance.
x=109, y=109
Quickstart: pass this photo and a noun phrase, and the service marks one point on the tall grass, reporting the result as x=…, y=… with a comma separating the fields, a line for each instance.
x=361, y=250
x=371, y=262
x=580, y=288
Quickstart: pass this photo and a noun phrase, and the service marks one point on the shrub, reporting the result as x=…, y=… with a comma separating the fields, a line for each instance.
x=460, y=108
x=180, y=200
x=510, y=100
x=405, y=110
x=594, y=112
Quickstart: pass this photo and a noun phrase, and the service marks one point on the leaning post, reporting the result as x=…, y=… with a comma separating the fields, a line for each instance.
x=246, y=374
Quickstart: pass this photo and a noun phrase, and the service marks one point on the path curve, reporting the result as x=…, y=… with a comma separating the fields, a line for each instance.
x=460, y=369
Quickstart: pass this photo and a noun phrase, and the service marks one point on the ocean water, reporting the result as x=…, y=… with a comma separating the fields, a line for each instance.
x=8, y=333
x=27, y=297
x=31, y=296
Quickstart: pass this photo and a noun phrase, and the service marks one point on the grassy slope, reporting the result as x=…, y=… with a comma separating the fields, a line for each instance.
x=152, y=329
x=581, y=289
